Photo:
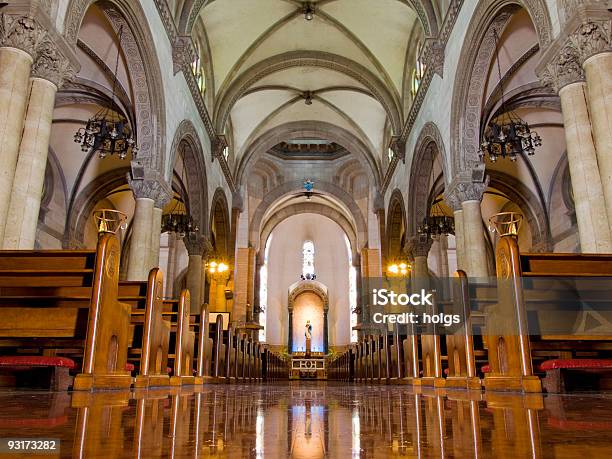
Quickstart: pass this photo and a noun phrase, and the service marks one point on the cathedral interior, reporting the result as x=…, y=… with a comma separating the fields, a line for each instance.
x=325, y=228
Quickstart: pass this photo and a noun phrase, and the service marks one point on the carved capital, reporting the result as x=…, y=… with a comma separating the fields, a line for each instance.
x=237, y=201
x=398, y=146
x=418, y=246
x=218, y=144
x=51, y=65
x=183, y=53
x=22, y=32
x=196, y=244
x=564, y=69
x=151, y=186
x=433, y=55
x=464, y=188
x=592, y=37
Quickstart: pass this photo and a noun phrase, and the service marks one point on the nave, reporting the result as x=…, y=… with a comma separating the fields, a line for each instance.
x=312, y=420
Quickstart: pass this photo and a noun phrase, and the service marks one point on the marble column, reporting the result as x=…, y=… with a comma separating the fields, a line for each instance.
x=598, y=72
x=290, y=333
x=156, y=220
x=466, y=195
x=27, y=189
x=564, y=73
x=195, y=245
x=15, y=67
x=325, y=332
x=47, y=75
x=148, y=192
x=418, y=250
x=441, y=254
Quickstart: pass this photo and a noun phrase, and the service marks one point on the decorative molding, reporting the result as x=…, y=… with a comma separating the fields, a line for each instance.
x=196, y=244
x=148, y=184
x=23, y=32
x=464, y=188
x=433, y=55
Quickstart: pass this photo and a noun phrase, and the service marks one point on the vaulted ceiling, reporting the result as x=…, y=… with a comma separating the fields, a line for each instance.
x=347, y=67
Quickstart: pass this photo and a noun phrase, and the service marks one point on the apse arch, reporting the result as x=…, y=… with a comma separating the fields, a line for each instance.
x=230, y=95
x=144, y=69
x=475, y=58
x=307, y=129
x=309, y=208
x=428, y=145
x=187, y=143
x=287, y=188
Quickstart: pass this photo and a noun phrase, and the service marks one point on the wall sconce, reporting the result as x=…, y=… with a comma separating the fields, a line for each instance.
x=400, y=269
x=217, y=267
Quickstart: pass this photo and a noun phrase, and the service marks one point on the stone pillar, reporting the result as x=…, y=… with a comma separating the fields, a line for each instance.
x=156, y=220
x=471, y=246
x=15, y=67
x=417, y=250
x=48, y=73
x=564, y=73
x=149, y=193
x=244, y=282
x=196, y=247
x=459, y=230
x=290, y=332
x=325, y=332
x=442, y=255
x=595, y=52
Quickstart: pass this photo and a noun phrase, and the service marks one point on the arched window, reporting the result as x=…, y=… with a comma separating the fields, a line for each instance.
x=352, y=290
x=263, y=291
x=418, y=72
x=308, y=252
x=197, y=67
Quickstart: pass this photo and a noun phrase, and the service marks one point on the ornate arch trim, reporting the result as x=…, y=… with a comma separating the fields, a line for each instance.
x=315, y=287
x=474, y=61
x=143, y=67
x=187, y=142
x=428, y=145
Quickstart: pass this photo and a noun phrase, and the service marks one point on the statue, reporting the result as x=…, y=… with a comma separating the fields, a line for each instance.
x=308, y=334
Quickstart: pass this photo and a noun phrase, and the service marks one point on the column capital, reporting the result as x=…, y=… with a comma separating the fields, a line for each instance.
x=468, y=185
x=52, y=65
x=197, y=244
x=418, y=246
x=586, y=31
x=151, y=186
x=21, y=32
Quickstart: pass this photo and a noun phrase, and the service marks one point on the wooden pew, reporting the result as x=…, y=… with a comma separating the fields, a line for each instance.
x=511, y=353
x=460, y=345
x=70, y=301
x=155, y=337
x=185, y=338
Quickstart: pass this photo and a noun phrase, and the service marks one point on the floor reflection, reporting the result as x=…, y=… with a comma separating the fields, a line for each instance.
x=312, y=420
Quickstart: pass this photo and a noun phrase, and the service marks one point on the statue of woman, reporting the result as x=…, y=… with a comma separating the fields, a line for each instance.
x=308, y=332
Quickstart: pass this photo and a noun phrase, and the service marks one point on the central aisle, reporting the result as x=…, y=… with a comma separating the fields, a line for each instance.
x=311, y=420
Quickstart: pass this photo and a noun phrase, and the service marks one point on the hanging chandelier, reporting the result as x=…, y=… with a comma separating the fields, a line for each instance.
x=108, y=132
x=507, y=135
x=178, y=220
x=437, y=223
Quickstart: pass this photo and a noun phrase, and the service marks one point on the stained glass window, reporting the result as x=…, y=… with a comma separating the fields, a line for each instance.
x=308, y=252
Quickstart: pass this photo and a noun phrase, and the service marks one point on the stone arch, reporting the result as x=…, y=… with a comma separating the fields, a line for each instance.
x=313, y=286
x=308, y=129
x=309, y=208
x=535, y=214
x=256, y=223
x=219, y=229
x=187, y=142
x=82, y=207
x=428, y=145
x=230, y=95
x=475, y=58
x=396, y=224
x=143, y=66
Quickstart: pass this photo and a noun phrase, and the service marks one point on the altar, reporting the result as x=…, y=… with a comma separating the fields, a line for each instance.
x=308, y=328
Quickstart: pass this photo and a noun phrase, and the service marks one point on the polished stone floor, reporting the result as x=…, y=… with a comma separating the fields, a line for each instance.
x=311, y=420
